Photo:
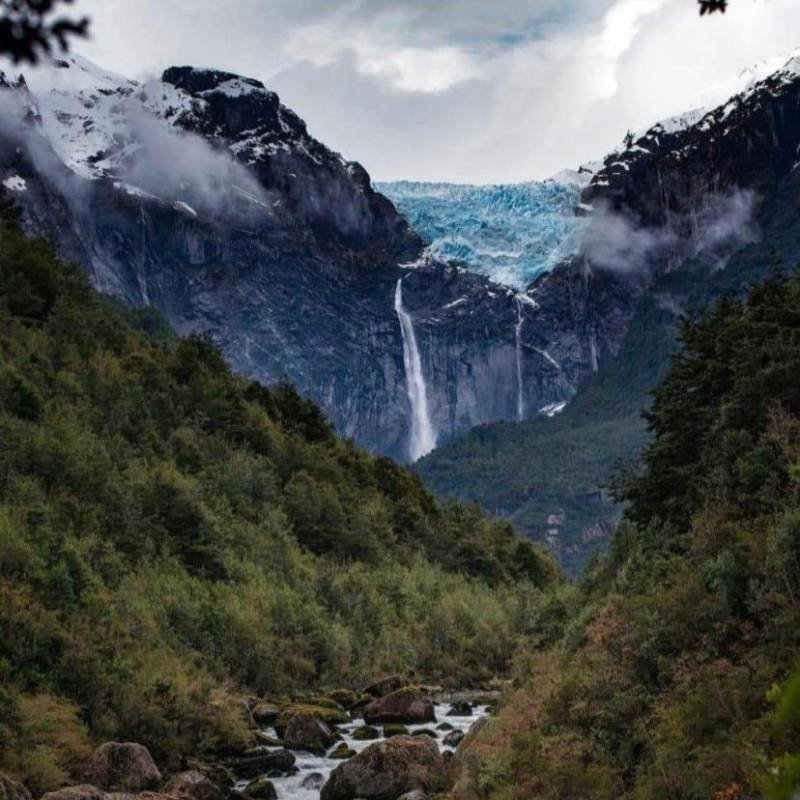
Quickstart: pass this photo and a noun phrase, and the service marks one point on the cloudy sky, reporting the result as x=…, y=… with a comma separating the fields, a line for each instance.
x=478, y=91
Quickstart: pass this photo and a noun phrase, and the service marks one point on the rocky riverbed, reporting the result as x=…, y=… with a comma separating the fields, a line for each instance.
x=393, y=741
x=451, y=724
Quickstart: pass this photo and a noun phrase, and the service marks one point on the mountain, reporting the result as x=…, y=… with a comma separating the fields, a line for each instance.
x=201, y=195
x=696, y=207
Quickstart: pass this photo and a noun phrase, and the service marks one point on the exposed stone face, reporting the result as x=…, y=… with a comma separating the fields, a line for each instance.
x=386, y=770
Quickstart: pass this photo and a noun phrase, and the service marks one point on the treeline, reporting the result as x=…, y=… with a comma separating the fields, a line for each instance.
x=671, y=677
x=172, y=535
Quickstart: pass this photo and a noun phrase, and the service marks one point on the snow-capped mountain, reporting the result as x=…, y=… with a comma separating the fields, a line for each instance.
x=200, y=194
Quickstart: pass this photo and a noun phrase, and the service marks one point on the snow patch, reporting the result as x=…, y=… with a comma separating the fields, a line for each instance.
x=16, y=184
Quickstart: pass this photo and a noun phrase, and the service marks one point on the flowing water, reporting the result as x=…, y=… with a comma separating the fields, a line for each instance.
x=423, y=438
x=315, y=770
x=518, y=339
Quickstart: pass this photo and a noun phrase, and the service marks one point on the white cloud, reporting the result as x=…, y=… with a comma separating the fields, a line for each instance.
x=457, y=89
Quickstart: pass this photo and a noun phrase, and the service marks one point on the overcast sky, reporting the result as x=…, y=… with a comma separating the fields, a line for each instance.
x=480, y=91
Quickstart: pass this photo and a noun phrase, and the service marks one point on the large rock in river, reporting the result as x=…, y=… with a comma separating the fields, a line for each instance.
x=405, y=706
x=306, y=732
x=123, y=767
x=386, y=770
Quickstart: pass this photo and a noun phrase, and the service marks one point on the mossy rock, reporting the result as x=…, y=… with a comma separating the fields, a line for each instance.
x=330, y=716
x=426, y=732
x=394, y=730
x=366, y=733
x=342, y=752
x=261, y=789
x=346, y=698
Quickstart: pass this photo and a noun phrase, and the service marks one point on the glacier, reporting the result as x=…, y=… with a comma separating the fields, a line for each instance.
x=511, y=233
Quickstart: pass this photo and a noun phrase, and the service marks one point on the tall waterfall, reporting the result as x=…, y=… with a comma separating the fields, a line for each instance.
x=518, y=337
x=423, y=438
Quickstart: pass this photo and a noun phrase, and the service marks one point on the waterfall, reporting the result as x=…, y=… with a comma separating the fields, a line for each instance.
x=423, y=438
x=518, y=338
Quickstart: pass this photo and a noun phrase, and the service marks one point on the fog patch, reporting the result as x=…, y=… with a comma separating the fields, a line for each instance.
x=617, y=241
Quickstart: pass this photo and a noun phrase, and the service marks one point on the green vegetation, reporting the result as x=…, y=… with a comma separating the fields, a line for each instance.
x=172, y=535
x=530, y=471
x=670, y=677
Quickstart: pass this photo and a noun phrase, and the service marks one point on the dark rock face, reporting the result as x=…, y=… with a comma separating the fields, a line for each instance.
x=386, y=770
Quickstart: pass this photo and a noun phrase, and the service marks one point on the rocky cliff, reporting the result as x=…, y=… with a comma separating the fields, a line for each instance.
x=203, y=196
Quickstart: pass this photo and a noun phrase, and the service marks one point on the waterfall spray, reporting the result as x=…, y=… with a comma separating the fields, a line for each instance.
x=423, y=438
x=518, y=339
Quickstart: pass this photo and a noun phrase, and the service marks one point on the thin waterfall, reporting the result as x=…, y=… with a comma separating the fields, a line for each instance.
x=518, y=337
x=423, y=438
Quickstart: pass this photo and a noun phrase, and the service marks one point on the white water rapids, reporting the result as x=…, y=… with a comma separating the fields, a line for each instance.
x=423, y=438
x=320, y=767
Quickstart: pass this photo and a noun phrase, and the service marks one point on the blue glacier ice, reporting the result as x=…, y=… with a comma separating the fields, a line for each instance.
x=512, y=233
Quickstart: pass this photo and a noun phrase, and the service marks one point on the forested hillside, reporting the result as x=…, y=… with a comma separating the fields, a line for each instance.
x=671, y=677
x=172, y=535
x=531, y=471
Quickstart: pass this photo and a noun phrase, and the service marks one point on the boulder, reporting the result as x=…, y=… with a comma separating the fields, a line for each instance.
x=307, y=732
x=386, y=686
x=84, y=791
x=261, y=789
x=405, y=706
x=11, y=790
x=366, y=733
x=342, y=752
x=453, y=739
x=122, y=767
x=272, y=763
x=444, y=726
x=386, y=770
x=313, y=781
x=195, y=785
x=426, y=732
x=394, y=730
x=460, y=709
x=265, y=714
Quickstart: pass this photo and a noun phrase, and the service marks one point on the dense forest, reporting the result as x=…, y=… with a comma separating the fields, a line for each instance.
x=172, y=535
x=671, y=677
